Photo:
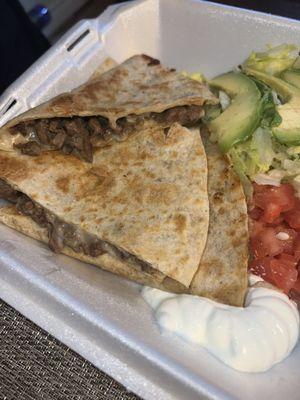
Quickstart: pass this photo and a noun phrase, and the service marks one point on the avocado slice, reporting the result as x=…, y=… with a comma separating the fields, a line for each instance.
x=288, y=132
x=242, y=117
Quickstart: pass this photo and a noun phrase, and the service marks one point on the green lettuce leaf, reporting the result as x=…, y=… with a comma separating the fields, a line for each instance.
x=254, y=156
x=274, y=60
x=270, y=115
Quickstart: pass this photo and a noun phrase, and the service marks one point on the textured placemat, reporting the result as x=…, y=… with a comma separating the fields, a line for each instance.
x=34, y=365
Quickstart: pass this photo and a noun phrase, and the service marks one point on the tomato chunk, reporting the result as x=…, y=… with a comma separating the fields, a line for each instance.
x=275, y=237
x=284, y=275
x=288, y=238
x=283, y=195
x=271, y=212
x=274, y=200
x=277, y=221
x=256, y=227
x=266, y=243
x=293, y=219
x=255, y=213
x=262, y=268
x=287, y=260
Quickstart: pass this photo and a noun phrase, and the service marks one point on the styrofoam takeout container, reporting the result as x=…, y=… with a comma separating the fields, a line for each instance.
x=99, y=315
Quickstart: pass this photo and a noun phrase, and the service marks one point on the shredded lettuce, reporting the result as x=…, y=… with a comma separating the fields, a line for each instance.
x=270, y=115
x=265, y=161
x=273, y=61
x=255, y=155
x=293, y=151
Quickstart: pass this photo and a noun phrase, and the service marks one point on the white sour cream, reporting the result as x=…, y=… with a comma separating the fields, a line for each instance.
x=249, y=339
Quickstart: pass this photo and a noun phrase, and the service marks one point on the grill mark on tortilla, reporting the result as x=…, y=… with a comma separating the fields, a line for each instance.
x=63, y=184
x=13, y=169
x=180, y=222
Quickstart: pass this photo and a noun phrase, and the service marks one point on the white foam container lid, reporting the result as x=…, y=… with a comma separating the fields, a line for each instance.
x=101, y=316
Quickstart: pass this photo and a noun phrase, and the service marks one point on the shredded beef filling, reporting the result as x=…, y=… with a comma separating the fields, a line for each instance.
x=61, y=234
x=78, y=135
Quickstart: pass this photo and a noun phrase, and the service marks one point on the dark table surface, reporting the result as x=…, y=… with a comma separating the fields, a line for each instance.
x=34, y=365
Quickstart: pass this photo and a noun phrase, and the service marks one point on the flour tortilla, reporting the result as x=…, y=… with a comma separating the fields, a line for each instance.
x=137, y=86
x=10, y=217
x=222, y=273
x=147, y=196
x=105, y=66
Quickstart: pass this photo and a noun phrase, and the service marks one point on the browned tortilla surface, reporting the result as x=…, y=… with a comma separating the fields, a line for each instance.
x=147, y=195
x=137, y=86
x=10, y=217
x=222, y=273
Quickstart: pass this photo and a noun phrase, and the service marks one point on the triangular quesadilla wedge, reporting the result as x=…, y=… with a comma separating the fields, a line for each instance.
x=222, y=273
x=133, y=95
x=105, y=66
x=10, y=216
x=143, y=200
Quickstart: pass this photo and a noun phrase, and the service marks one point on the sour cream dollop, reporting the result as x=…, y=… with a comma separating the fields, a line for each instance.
x=249, y=339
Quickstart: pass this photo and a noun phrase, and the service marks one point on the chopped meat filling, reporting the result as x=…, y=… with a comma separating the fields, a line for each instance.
x=61, y=234
x=78, y=135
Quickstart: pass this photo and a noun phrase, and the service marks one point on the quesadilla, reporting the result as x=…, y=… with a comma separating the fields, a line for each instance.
x=141, y=208
x=134, y=95
x=222, y=273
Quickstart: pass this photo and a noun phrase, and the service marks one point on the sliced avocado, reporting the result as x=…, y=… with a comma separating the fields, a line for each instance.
x=241, y=118
x=292, y=76
x=288, y=132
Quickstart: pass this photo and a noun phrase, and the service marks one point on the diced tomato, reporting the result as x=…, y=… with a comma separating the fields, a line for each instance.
x=265, y=243
x=283, y=195
x=256, y=228
x=277, y=221
x=297, y=203
x=289, y=243
x=293, y=218
x=275, y=272
x=255, y=213
x=283, y=275
x=271, y=212
x=274, y=200
x=287, y=260
x=275, y=237
x=261, y=267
